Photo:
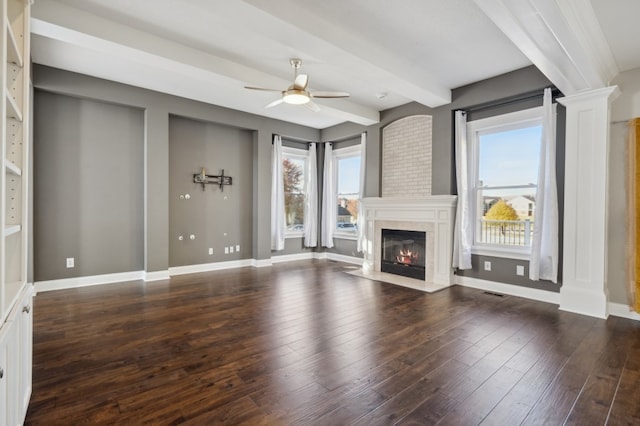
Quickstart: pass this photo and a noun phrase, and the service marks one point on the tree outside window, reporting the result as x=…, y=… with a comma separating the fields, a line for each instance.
x=293, y=167
x=506, y=153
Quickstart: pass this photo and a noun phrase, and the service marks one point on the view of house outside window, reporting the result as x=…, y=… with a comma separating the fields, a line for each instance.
x=293, y=168
x=507, y=160
x=348, y=181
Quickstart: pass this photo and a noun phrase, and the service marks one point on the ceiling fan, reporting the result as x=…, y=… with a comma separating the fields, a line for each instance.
x=297, y=93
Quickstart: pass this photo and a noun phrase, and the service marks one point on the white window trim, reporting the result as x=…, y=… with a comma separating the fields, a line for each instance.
x=503, y=122
x=302, y=154
x=338, y=154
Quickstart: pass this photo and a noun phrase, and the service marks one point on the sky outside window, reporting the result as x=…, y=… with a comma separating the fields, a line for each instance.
x=349, y=175
x=510, y=158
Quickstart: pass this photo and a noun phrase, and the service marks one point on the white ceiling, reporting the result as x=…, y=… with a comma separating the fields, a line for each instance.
x=385, y=53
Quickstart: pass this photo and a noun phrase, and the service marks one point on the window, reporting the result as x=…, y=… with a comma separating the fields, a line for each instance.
x=347, y=162
x=294, y=166
x=505, y=156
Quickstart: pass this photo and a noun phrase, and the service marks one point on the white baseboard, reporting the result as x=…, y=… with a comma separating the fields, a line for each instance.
x=77, y=282
x=66, y=283
x=293, y=257
x=621, y=310
x=343, y=258
x=261, y=263
x=208, y=267
x=315, y=255
x=512, y=290
x=156, y=275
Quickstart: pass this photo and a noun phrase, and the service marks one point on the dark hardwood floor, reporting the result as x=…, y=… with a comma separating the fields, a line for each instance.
x=306, y=343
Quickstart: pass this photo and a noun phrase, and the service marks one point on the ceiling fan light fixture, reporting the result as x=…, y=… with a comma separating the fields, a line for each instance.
x=295, y=97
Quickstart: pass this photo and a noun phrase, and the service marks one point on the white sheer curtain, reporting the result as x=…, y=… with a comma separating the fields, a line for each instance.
x=329, y=198
x=463, y=232
x=311, y=201
x=544, y=247
x=360, y=224
x=277, y=196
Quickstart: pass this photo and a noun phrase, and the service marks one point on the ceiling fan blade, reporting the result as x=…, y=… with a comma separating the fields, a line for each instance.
x=275, y=103
x=312, y=106
x=321, y=94
x=301, y=82
x=262, y=88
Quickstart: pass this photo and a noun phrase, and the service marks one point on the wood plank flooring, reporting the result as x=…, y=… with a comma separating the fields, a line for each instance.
x=306, y=343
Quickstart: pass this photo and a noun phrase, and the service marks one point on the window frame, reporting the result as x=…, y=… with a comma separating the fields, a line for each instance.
x=500, y=123
x=300, y=154
x=340, y=154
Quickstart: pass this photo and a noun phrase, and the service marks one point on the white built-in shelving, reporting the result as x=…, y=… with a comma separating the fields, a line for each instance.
x=15, y=151
x=15, y=292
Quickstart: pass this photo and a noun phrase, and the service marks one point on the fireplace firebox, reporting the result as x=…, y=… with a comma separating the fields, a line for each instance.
x=404, y=253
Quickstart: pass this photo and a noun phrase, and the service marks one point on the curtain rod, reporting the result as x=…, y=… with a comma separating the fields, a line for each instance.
x=292, y=139
x=344, y=138
x=534, y=94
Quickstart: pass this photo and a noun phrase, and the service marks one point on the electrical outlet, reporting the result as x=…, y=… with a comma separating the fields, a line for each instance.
x=520, y=270
x=487, y=265
x=231, y=249
x=71, y=262
x=210, y=250
x=226, y=250
x=237, y=247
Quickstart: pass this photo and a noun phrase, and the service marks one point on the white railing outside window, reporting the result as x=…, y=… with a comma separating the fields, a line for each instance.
x=516, y=233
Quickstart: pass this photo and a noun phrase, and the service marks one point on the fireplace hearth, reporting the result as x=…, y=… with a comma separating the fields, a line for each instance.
x=403, y=253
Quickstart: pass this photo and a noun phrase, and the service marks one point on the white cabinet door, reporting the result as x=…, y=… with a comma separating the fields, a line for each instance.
x=26, y=350
x=11, y=377
x=4, y=344
x=16, y=348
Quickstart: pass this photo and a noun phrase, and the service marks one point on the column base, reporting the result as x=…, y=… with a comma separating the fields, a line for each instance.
x=585, y=302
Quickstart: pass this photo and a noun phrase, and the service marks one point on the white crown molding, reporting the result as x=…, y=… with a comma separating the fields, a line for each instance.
x=562, y=38
x=583, y=21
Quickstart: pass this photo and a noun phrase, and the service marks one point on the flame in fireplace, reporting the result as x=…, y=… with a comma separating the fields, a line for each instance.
x=407, y=257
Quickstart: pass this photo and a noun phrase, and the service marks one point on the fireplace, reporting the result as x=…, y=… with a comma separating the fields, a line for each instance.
x=431, y=217
x=403, y=253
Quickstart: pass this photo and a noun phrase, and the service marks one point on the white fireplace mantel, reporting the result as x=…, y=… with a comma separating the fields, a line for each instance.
x=434, y=215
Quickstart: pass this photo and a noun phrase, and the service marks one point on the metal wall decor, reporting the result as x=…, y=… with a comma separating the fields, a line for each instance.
x=204, y=179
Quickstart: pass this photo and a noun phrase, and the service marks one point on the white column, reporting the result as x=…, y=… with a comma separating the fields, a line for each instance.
x=584, y=263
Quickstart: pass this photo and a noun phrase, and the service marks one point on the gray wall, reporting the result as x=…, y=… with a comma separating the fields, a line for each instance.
x=347, y=131
x=158, y=128
x=217, y=217
x=154, y=166
x=88, y=187
x=484, y=93
x=443, y=172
